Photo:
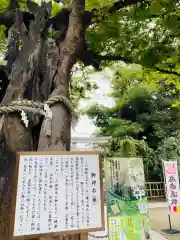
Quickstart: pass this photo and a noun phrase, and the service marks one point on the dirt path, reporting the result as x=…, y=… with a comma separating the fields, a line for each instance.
x=159, y=221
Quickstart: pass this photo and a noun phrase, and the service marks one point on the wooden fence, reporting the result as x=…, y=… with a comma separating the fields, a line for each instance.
x=155, y=190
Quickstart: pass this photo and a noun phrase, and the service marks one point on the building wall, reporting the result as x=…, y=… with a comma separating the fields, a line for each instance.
x=87, y=143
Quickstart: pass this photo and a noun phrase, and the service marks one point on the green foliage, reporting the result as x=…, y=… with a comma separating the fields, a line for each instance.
x=127, y=147
x=4, y=5
x=56, y=8
x=79, y=89
x=168, y=150
x=80, y=86
x=142, y=120
x=109, y=125
x=147, y=34
x=142, y=109
x=2, y=40
x=96, y=4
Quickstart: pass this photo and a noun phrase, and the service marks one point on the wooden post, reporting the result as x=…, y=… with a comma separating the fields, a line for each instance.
x=83, y=236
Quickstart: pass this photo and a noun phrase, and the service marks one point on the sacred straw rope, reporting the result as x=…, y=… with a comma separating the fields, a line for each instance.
x=37, y=108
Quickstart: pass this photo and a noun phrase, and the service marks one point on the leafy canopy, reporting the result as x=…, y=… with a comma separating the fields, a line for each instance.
x=142, y=121
x=143, y=108
x=135, y=31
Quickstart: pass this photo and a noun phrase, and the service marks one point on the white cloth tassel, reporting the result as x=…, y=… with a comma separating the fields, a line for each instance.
x=24, y=118
x=48, y=121
x=48, y=111
x=47, y=127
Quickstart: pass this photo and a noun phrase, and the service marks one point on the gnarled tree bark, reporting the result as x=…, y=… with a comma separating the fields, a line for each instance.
x=68, y=54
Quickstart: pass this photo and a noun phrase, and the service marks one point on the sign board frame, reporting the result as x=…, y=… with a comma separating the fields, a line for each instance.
x=54, y=234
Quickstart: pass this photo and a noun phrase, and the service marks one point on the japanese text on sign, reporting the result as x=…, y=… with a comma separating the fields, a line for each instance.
x=58, y=193
x=172, y=184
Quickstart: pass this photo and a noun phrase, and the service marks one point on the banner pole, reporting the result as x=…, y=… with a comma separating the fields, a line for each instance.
x=169, y=218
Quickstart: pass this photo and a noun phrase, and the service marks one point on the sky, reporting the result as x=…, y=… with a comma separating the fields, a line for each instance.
x=85, y=127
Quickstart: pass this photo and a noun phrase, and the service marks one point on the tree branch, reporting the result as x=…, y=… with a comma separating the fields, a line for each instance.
x=95, y=60
x=72, y=44
x=113, y=58
x=121, y=4
x=75, y=35
x=165, y=71
x=75, y=28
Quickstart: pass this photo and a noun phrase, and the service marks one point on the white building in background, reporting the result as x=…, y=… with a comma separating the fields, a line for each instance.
x=87, y=143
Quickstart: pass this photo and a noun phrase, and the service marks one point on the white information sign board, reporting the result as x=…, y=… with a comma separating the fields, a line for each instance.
x=172, y=185
x=58, y=193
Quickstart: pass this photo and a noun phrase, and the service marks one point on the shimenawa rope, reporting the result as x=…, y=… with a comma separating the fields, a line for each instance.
x=29, y=106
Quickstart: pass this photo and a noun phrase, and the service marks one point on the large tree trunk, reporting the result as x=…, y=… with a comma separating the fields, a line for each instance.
x=18, y=137
x=60, y=138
